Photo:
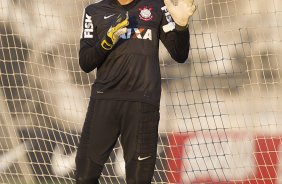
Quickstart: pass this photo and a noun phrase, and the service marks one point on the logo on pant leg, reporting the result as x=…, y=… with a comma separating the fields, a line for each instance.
x=143, y=158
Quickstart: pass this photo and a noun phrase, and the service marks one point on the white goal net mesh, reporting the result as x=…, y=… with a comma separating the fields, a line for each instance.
x=221, y=119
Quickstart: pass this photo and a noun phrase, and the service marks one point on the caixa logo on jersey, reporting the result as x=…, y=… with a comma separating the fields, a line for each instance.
x=138, y=33
x=87, y=27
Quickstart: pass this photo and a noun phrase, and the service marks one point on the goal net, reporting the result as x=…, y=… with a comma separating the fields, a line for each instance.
x=221, y=119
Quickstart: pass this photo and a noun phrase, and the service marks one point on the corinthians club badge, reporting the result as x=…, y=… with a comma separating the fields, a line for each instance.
x=145, y=13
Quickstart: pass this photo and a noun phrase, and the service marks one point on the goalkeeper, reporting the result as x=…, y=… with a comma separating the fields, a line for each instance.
x=121, y=39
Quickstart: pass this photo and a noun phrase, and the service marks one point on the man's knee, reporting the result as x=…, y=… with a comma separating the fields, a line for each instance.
x=87, y=171
x=87, y=180
x=140, y=172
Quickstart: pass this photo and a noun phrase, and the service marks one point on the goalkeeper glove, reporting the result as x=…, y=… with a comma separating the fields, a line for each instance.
x=181, y=11
x=115, y=31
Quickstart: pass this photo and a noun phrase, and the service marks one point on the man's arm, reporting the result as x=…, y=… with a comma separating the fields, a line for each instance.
x=174, y=29
x=91, y=54
x=93, y=51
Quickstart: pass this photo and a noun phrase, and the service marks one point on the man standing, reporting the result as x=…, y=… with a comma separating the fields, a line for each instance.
x=121, y=39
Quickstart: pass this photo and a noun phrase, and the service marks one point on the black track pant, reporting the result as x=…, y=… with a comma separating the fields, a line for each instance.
x=136, y=123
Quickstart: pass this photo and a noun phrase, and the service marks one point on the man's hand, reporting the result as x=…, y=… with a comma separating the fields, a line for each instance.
x=181, y=11
x=115, y=31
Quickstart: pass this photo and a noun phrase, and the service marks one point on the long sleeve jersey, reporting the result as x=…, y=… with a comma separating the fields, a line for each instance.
x=130, y=71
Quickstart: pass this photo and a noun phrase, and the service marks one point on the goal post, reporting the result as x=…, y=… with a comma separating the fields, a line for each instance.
x=221, y=110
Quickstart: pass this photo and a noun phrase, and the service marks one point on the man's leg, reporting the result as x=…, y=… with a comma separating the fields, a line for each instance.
x=98, y=137
x=87, y=172
x=139, y=137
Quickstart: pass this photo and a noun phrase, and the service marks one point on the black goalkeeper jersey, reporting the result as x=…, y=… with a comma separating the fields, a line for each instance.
x=130, y=71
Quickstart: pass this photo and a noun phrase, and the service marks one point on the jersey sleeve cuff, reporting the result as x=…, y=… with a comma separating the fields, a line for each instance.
x=102, y=52
x=181, y=28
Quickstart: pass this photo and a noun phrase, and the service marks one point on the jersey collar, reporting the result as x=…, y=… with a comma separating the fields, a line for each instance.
x=126, y=7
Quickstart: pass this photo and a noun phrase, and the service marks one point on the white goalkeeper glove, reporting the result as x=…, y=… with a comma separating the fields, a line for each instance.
x=181, y=11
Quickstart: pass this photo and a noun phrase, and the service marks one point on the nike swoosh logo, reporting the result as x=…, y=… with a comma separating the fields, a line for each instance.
x=109, y=16
x=143, y=158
